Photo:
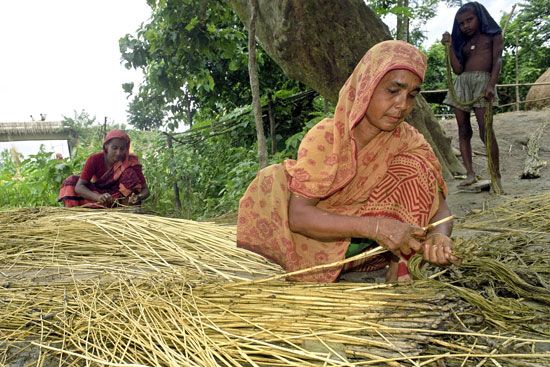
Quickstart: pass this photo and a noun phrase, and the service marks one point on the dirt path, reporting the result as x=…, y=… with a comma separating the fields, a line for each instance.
x=513, y=130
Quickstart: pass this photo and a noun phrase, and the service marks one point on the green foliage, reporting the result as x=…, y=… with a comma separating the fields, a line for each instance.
x=208, y=186
x=531, y=28
x=417, y=12
x=435, y=74
x=435, y=78
x=194, y=56
x=214, y=162
x=36, y=180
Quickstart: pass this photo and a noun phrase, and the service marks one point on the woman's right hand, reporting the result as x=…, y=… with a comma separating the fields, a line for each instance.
x=446, y=38
x=398, y=237
x=105, y=199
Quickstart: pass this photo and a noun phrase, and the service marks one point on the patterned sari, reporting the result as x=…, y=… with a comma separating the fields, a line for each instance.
x=396, y=175
x=121, y=180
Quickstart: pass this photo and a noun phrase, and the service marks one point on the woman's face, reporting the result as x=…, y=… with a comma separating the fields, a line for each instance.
x=116, y=150
x=393, y=99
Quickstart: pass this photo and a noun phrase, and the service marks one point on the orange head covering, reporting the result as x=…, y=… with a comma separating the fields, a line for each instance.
x=327, y=156
x=382, y=58
x=116, y=134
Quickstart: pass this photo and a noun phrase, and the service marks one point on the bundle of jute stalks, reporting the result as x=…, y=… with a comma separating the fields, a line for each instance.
x=165, y=321
x=121, y=289
x=505, y=267
x=529, y=214
x=92, y=242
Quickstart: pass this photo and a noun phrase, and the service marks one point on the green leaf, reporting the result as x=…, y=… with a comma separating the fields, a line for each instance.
x=192, y=24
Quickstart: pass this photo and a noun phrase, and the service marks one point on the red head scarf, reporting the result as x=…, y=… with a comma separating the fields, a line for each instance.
x=116, y=134
x=327, y=156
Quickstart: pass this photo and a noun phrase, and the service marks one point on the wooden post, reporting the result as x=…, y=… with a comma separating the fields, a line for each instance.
x=517, y=73
x=272, y=131
x=255, y=85
x=177, y=200
x=508, y=20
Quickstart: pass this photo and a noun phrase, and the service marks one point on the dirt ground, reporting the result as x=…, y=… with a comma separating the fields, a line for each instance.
x=513, y=130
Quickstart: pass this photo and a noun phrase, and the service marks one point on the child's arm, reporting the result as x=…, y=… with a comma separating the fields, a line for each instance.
x=498, y=45
x=455, y=64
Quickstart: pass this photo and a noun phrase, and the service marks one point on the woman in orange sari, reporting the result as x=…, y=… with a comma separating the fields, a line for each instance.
x=364, y=176
x=112, y=176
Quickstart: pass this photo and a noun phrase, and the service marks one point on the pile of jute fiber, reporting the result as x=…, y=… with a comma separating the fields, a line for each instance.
x=120, y=289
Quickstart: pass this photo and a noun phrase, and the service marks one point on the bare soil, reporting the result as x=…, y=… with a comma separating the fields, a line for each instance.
x=513, y=130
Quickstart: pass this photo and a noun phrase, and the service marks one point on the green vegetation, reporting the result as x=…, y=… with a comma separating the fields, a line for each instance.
x=195, y=65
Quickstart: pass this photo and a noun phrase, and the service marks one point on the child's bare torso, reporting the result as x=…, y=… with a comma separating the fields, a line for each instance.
x=478, y=53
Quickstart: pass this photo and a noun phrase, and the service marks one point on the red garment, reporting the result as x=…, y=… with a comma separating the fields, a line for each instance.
x=95, y=167
x=120, y=180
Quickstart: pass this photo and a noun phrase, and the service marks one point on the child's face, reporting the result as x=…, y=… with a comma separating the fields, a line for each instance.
x=468, y=23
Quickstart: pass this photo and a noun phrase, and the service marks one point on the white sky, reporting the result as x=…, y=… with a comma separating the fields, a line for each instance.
x=61, y=56
x=58, y=56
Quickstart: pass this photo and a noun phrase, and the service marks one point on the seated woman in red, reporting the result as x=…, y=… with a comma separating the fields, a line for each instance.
x=108, y=178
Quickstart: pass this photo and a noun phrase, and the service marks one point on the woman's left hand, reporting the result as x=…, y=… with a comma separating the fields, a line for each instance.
x=134, y=199
x=437, y=249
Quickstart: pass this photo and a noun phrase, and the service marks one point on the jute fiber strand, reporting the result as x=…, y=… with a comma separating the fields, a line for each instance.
x=97, y=241
x=530, y=214
x=149, y=293
x=505, y=274
x=165, y=321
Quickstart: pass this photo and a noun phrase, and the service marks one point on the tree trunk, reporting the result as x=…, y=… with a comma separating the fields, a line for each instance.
x=319, y=42
x=402, y=26
x=272, y=124
x=255, y=84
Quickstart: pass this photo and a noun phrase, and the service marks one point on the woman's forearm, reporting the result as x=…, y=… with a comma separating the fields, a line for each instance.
x=316, y=223
x=85, y=192
x=443, y=211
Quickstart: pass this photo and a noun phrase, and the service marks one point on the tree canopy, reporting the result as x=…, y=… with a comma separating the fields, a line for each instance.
x=194, y=57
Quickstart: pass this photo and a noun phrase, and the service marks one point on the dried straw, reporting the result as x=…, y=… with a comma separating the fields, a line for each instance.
x=136, y=290
x=92, y=241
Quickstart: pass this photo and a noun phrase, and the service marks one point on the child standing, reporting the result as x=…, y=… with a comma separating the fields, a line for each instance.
x=476, y=58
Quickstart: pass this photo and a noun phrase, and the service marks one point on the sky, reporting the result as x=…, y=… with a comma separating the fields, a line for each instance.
x=62, y=56
x=59, y=56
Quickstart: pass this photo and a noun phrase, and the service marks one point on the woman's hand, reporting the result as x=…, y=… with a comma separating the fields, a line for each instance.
x=105, y=199
x=134, y=199
x=437, y=249
x=398, y=237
